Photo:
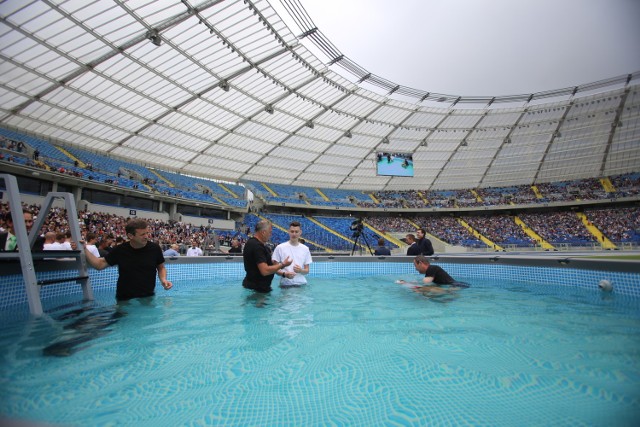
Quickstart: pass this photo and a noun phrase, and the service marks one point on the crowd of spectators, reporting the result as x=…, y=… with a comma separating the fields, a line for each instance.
x=583, y=189
x=110, y=227
x=559, y=228
x=500, y=229
x=617, y=224
x=627, y=185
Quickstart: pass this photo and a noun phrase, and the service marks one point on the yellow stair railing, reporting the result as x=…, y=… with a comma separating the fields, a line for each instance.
x=273, y=193
x=537, y=192
x=604, y=240
x=227, y=189
x=72, y=157
x=335, y=233
x=424, y=199
x=287, y=231
x=535, y=236
x=387, y=236
x=324, y=196
x=607, y=185
x=162, y=178
x=478, y=235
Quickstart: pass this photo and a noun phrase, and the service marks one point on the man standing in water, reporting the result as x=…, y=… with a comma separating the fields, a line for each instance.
x=258, y=263
x=293, y=275
x=138, y=260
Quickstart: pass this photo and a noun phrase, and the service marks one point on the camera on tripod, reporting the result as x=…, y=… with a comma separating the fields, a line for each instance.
x=356, y=226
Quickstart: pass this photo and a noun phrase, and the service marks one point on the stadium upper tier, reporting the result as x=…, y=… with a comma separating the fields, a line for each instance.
x=225, y=90
x=97, y=167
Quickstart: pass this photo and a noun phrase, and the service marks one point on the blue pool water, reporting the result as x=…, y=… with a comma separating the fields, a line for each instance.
x=342, y=351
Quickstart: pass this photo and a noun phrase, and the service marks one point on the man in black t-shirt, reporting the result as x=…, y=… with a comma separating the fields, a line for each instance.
x=138, y=261
x=258, y=263
x=433, y=274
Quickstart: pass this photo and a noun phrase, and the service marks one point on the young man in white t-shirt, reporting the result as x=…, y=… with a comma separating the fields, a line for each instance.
x=293, y=275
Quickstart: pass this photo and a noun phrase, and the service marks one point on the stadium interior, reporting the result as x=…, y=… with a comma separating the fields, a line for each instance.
x=205, y=118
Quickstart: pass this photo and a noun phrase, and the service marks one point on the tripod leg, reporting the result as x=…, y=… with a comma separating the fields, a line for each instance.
x=355, y=243
x=364, y=236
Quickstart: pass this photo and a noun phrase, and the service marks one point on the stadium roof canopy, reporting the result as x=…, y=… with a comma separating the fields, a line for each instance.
x=225, y=90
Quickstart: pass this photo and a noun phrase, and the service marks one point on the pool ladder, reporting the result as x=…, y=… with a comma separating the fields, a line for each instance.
x=26, y=256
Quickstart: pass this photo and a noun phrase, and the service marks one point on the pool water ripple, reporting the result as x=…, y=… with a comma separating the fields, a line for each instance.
x=342, y=351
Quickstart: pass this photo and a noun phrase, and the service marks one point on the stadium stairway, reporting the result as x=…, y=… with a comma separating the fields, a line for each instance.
x=81, y=164
x=476, y=195
x=478, y=235
x=387, y=236
x=225, y=188
x=376, y=201
x=537, y=192
x=266, y=187
x=286, y=230
x=335, y=233
x=606, y=243
x=424, y=199
x=607, y=185
x=162, y=178
x=324, y=196
x=535, y=236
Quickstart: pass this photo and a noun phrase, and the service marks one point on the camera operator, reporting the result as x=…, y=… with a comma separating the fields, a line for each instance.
x=357, y=227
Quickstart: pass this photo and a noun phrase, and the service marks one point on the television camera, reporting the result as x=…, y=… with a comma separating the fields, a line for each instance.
x=357, y=226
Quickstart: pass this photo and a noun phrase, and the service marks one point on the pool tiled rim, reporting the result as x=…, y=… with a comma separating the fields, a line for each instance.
x=567, y=273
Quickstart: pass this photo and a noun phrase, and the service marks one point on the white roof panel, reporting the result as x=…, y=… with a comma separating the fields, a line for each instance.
x=227, y=90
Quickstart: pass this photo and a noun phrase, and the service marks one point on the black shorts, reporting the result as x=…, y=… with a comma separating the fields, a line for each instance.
x=258, y=287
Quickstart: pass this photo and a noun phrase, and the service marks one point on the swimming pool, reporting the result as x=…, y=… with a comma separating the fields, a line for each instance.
x=342, y=351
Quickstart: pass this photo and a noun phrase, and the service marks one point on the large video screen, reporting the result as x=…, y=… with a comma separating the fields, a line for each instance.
x=394, y=164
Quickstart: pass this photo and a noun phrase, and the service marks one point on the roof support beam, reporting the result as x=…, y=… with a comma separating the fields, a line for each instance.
x=554, y=136
x=506, y=140
x=612, y=132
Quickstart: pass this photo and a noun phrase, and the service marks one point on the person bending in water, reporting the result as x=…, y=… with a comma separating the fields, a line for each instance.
x=433, y=275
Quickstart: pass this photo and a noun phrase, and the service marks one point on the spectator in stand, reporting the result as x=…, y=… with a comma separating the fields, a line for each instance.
x=92, y=239
x=382, y=249
x=426, y=248
x=413, y=248
x=8, y=239
x=194, y=250
x=236, y=247
x=50, y=241
x=172, y=251
x=105, y=245
x=61, y=243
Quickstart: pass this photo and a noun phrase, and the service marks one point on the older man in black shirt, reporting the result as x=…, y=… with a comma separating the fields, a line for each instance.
x=258, y=263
